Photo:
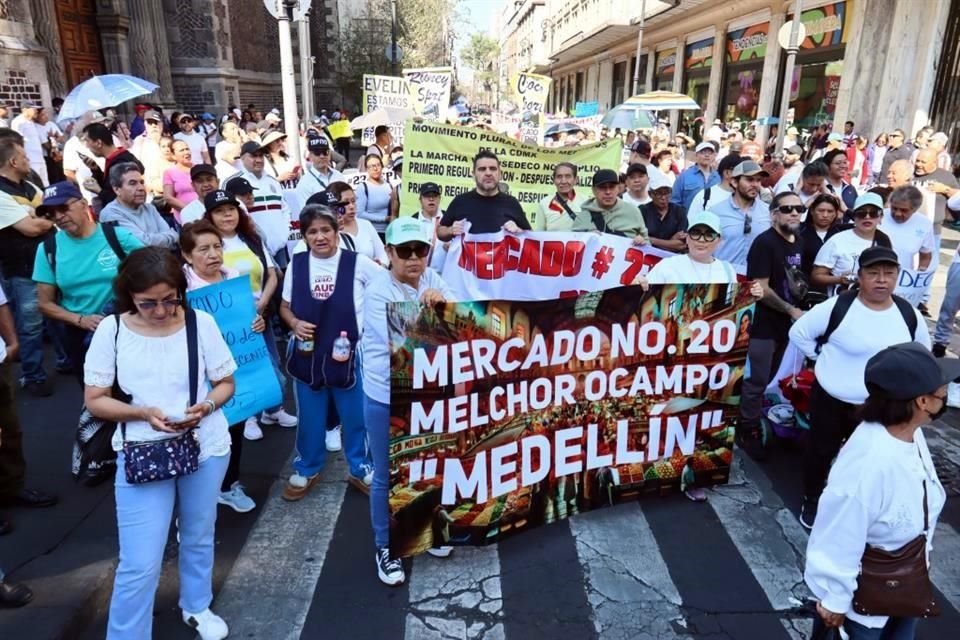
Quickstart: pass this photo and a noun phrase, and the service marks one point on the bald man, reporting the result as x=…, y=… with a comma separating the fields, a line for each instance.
x=927, y=175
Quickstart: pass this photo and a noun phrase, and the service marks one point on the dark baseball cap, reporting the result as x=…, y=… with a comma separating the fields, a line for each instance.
x=878, y=255
x=326, y=198
x=636, y=167
x=748, y=168
x=219, y=197
x=202, y=169
x=907, y=371
x=430, y=187
x=605, y=176
x=641, y=147
x=317, y=143
x=729, y=162
x=239, y=186
x=251, y=147
x=60, y=193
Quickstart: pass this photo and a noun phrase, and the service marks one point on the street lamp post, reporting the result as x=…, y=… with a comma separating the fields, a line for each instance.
x=393, y=36
x=636, y=67
x=792, y=47
x=291, y=120
x=306, y=66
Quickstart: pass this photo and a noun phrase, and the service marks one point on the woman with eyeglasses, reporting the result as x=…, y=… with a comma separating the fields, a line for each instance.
x=375, y=195
x=823, y=220
x=409, y=279
x=144, y=353
x=356, y=234
x=323, y=304
x=836, y=266
x=74, y=269
x=245, y=251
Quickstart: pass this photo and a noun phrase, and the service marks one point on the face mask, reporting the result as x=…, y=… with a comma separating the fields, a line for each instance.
x=939, y=414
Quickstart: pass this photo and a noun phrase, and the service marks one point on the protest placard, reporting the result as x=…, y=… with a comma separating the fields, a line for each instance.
x=231, y=304
x=509, y=415
x=430, y=89
x=385, y=91
x=443, y=154
x=530, y=91
x=913, y=285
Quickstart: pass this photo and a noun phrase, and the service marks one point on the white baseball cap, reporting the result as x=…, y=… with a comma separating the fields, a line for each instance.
x=658, y=181
x=705, y=146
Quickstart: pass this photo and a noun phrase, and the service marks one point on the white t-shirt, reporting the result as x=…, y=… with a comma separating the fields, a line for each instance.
x=909, y=238
x=3, y=345
x=33, y=138
x=198, y=144
x=635, y=201
x=323, y=280
x=192, y=212
x=681, y=269
x=366, y=242
x=153, y=371
x=841, y=253
x=790, y=180
x=72, y=150
x=716, y=195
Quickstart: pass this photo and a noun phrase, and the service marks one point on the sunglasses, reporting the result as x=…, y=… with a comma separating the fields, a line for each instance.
x=786, y=209
x=747, y=224
x=150, y=305
x=405, y=251
x=867, y=213
x=703, y=235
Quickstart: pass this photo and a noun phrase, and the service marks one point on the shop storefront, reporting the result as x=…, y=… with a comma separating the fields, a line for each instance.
x=666, y=66
x=816, y=77
x=746, y=49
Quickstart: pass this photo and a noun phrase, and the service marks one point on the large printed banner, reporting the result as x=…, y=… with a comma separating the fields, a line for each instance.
x=385, y=91
x=509, y=415
x=530, y=91
x=231, y=305
x=441, y=153
x=430, y=89
x=543, y=265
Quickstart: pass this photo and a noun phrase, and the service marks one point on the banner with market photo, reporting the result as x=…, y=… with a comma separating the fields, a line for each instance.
x=509, y=415
x=430, y=89
x=443, y=154
x=530, y=92
x=385, y=91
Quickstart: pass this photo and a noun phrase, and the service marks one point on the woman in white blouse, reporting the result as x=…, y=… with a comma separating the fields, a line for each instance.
x=147, y=356
x=877, y=486
x=355, y=231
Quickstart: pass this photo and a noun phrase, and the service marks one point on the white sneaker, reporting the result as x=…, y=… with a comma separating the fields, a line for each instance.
x=440, y=552
x=334, y=441
x=209, y=626
x=279, y=417
x=251, y=429
x=236, y=499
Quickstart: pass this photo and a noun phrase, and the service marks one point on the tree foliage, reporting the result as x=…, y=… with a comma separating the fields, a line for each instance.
x=480, y=54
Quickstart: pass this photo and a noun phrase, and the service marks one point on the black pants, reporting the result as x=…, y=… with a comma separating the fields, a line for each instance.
x=76, y=341
x=832, y=421
x=236, y=450
x=13, y=466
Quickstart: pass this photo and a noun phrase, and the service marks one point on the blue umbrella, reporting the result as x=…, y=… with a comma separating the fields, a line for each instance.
x=100, y=92
x=767, y=120
x=628, y=117
x=562, y=127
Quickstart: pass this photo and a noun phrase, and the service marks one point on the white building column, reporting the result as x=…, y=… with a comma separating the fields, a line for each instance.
x=715, y=91
x=678, y=69
x=651, y=65
x=605, y=84
x=766, y=102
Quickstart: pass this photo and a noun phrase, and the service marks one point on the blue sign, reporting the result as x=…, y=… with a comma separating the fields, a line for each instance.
x=231, y=305
x=586, y=109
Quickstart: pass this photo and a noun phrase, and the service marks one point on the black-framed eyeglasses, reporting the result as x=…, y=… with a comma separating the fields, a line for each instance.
x=942, y=398
x=747, y=224
x=150, y=305
x=405, y=251
x=867, y=213
x=786, y=209
x=703, y=235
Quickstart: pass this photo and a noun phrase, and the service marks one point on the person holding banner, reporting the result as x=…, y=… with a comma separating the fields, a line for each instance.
x=557, y=212
x=409, y=279
x=486, y=208
x=323, y=303
x=605, y=212
x=201, y=246
x=375, y=198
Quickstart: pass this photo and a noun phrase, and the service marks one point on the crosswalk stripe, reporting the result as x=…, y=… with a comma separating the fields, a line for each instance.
x=456, y=597
x=627, y=582
x=289, y=544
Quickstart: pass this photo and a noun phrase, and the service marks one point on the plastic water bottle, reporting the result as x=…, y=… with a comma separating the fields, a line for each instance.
x=342, y=348
x=305, y=348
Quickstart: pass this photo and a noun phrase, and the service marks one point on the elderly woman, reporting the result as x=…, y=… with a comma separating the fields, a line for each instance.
x=883, y=492
x=143, y=354
x=74, y=269
x=910, y=234
x=836, y=263
x=323, y=303
x=408, y=245
x=558, y=211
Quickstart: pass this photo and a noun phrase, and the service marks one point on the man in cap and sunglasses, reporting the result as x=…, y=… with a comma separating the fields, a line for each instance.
x=743, y=216
x=319, y=174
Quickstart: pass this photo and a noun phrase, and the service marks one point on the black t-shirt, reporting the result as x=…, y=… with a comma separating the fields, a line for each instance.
x=487, y=214
x=666, y=227
x=770, y=256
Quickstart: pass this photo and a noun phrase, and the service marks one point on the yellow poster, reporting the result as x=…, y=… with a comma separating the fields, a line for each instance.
x=441, y=153
x=530, y=92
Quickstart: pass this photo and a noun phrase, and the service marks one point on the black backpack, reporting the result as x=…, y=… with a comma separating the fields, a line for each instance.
x=845, y=299
x=109, y=230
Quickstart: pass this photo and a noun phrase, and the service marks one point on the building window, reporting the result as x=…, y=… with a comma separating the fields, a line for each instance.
x=619, y=83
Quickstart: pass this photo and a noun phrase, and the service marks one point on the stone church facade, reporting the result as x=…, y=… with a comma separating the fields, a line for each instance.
x=204, y=54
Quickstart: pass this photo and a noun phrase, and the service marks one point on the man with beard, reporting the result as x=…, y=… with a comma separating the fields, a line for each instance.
x=792, y=169
x=774, y=263
x=743, y=216
x=485, y=207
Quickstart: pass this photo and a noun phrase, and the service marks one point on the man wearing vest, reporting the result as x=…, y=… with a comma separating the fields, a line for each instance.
x=269, y=210
x=841, y=334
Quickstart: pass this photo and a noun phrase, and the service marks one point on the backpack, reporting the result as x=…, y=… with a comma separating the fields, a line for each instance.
x=845, y=299
x=109, y=230
x=706, y=197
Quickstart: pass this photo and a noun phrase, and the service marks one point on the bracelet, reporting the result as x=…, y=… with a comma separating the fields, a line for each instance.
x=213, y=405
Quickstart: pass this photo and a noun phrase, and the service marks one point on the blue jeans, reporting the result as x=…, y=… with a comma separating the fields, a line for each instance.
x=22, y=294
x=949, y=306
x=377, y=416
x=312, y=427
x=271, y=339
x=144, y=512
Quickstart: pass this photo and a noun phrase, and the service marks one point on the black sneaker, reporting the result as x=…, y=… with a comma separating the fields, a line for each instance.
x=808, y=512
x=751, y=440
x=924, y=311
x=39, y=388
x=389, y=569
x=939, y=350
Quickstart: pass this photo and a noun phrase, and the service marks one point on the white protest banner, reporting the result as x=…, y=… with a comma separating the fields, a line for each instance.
x=385, y=91
x=543, y=265
x=914, y=284
x=430, y=88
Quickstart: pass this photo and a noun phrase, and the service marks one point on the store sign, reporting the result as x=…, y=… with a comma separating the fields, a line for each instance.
x=666, y=63
x=749, y=43
x=826, y=26
x=699, y=54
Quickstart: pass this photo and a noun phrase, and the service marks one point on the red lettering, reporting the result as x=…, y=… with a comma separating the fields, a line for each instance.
x=512, y=257
x=572, y=294
x=468, y=256
x=638, y=260
x=484, y=261
x=552, y=258
x=499, y=258
x=530, y=257
x=573, y=258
